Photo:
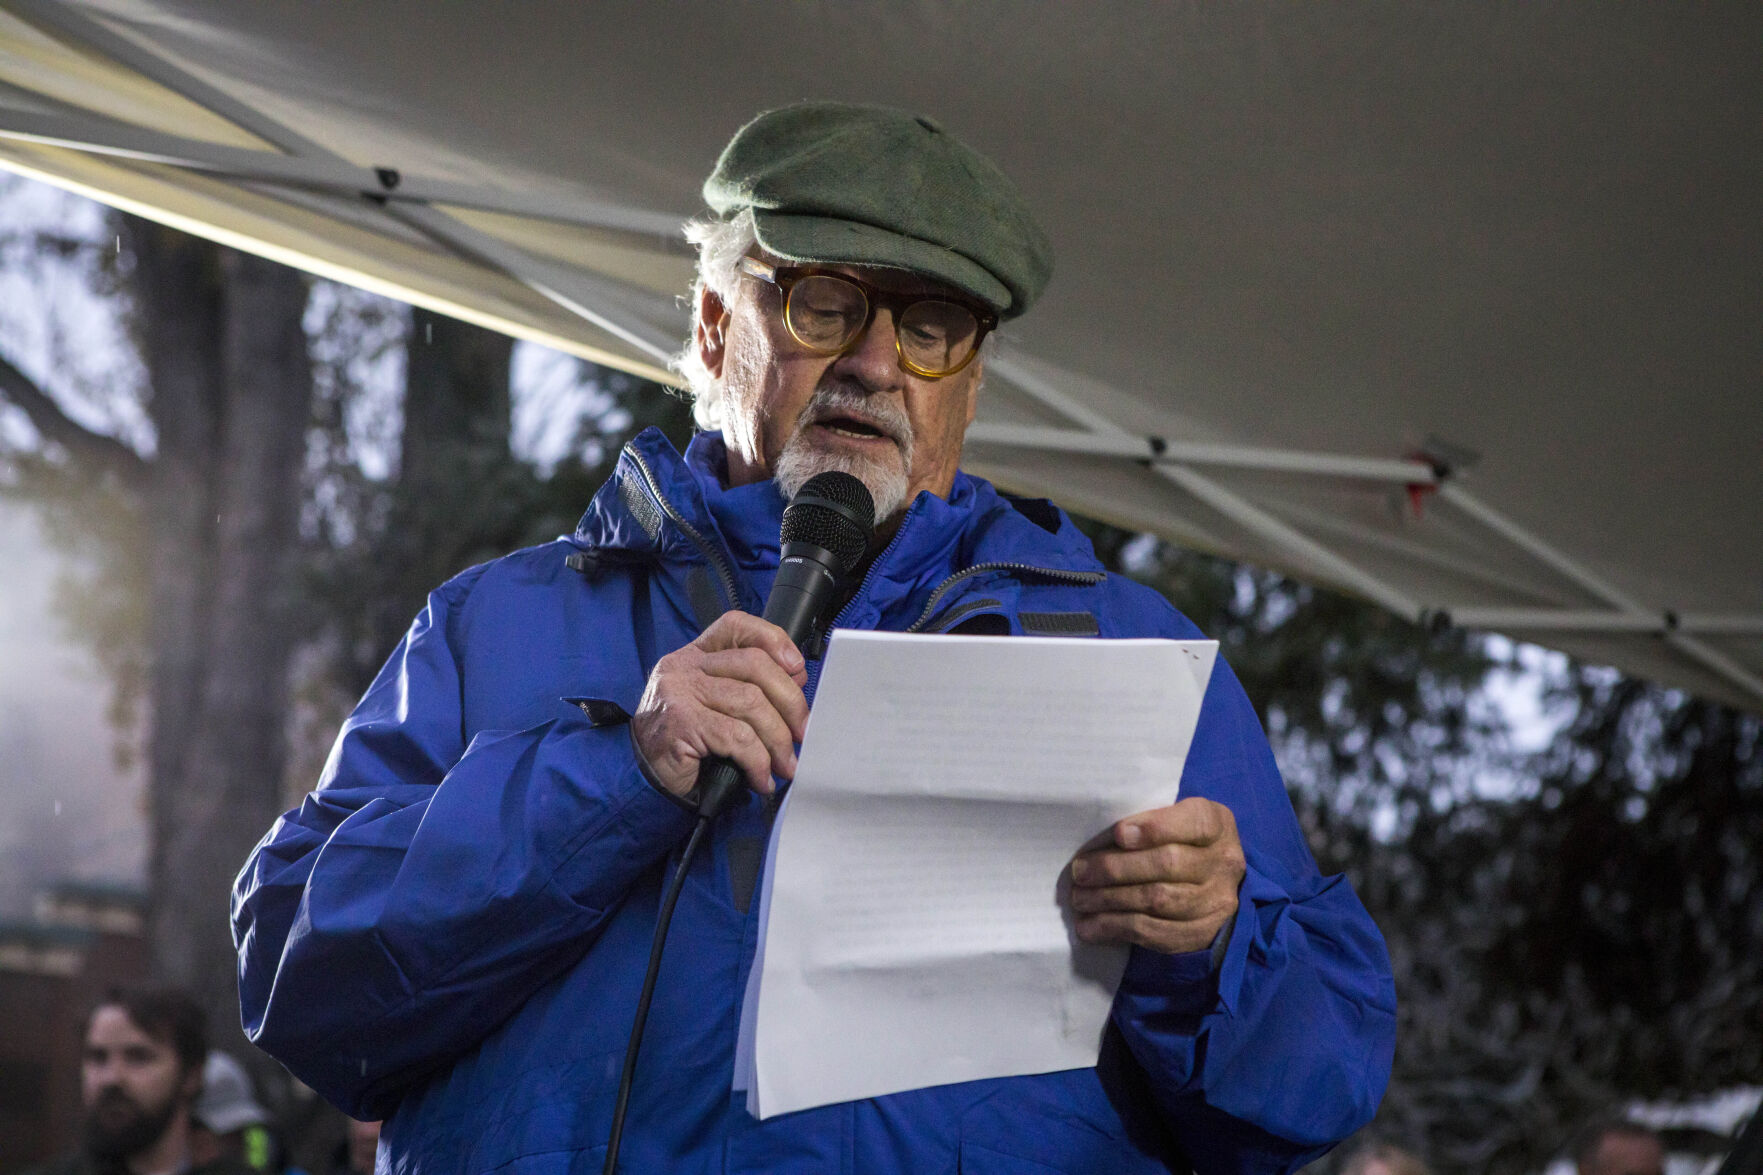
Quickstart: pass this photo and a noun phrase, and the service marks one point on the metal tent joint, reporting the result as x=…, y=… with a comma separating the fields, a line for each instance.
x=1432, y=473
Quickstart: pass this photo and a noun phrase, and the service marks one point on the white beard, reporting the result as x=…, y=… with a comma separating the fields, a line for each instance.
x=885, y=478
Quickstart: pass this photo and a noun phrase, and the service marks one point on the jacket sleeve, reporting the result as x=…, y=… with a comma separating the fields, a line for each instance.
x=429, y=885
x=1264, y=1061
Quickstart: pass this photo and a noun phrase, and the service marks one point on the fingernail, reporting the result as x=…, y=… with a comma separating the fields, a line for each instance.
x=1130, y=836
x=1080, y=871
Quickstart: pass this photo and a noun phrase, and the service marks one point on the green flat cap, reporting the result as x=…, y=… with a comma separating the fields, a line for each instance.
x=836, y=183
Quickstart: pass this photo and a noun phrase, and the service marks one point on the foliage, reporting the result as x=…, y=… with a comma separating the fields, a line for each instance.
x=1581, y=935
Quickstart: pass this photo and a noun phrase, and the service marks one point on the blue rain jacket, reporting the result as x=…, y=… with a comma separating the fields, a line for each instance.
x=452, y=930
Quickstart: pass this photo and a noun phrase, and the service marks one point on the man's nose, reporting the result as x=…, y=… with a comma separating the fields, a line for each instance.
x=875, y=361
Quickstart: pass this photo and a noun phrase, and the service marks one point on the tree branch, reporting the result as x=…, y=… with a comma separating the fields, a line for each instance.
x=91, y=449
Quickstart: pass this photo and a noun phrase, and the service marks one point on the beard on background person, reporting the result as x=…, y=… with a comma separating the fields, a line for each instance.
x=118, y=1126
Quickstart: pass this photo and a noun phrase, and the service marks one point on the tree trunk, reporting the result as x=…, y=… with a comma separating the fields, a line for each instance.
x=459, y=491
x=177, y=317
x=231, y=383
x=456, y=398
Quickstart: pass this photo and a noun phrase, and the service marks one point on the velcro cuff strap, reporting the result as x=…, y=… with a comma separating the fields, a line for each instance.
x=1059, y=624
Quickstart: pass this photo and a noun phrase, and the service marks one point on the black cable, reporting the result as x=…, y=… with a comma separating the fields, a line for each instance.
x=668, y=901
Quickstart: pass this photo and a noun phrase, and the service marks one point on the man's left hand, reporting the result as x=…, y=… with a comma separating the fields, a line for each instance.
x=1171, y=883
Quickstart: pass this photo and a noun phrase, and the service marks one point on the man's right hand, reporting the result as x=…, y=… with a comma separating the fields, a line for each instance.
x=736, y=691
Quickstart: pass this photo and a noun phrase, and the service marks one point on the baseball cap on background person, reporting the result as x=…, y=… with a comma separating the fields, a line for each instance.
x=229, y=1109
x=227, y=1102
x=838, y=183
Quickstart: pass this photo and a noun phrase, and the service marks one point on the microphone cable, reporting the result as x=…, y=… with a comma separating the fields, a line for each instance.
x=826, y=530
x=712, y=800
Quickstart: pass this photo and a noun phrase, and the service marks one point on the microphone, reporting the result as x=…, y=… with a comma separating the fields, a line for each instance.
x=826, y=529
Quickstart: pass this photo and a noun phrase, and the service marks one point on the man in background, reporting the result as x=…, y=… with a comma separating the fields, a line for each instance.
x=140, y=1076
x=1619, y=1147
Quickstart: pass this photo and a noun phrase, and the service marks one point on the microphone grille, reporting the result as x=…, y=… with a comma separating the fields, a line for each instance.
x=833, y=511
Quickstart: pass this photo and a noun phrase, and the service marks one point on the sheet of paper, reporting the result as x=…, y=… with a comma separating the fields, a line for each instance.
x=914, y=929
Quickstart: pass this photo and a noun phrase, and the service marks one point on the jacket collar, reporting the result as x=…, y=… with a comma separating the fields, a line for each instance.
x=640, y=509
x=655, y=494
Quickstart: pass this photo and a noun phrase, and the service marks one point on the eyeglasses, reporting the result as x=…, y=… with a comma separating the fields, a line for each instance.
x=828, y=314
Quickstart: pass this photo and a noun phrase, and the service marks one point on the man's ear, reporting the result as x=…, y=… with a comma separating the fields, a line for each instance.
x=711, y=335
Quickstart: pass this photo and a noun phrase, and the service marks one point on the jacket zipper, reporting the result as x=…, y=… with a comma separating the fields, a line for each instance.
x=713, y=555
x=957, y=614
x=942, y=589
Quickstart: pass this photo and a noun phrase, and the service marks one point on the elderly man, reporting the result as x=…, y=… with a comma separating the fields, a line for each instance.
x=451, y=932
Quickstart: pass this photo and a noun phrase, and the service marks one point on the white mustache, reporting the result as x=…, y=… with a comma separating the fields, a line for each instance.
x=882, y=414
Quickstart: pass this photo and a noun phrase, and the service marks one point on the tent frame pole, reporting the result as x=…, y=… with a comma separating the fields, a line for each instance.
x=569, y=290
x=92, y=34
x=1267, y=527
x=1597, y=620
x=1106, y=438
x=1602, y=589
x=1174, y=463
x=305, y=163
x=1160, y=450
x=98, y=135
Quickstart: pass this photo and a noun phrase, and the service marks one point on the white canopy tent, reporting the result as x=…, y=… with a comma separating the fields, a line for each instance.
x=1454, y=307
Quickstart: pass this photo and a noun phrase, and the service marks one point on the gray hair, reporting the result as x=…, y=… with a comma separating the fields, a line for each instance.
x=721, y=244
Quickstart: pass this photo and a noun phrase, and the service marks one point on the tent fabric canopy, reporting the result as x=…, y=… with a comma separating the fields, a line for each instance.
x=1455, y=308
